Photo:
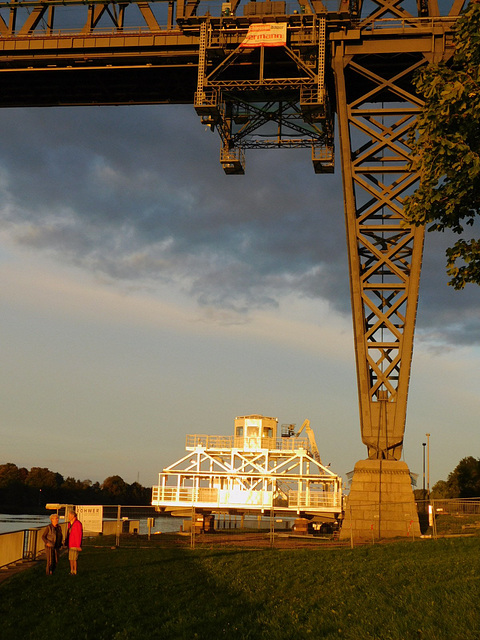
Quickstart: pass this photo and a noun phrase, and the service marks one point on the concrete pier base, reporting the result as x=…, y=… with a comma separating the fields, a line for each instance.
x=381, y=502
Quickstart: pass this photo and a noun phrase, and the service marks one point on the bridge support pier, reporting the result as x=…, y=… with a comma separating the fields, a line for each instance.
x=381, y=502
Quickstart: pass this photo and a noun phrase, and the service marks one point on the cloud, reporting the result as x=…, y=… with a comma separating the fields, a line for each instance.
x=445, y=316
x=137, y=196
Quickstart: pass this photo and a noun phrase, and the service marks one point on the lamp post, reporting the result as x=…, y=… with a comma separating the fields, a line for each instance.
x=428, y=465
x=430, y=508
x=424, y=444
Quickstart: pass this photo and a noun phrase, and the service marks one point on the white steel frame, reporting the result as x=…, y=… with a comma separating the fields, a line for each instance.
x=223, y=474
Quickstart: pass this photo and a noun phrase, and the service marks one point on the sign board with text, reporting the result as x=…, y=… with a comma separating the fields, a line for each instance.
x=266, y=35
x=91, y=517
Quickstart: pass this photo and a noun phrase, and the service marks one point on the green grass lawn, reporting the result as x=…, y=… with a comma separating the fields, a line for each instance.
x=427, y=590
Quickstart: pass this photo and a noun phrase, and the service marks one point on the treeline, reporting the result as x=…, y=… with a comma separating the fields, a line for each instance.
x=462, y=482
x=21, y=489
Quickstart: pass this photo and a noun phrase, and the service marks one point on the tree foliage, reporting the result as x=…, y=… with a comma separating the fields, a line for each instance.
x=10, y=474
x=446, y=148
x=462, y=482
x=43, y=478
x=22, y=489
x=440, y=490
x=116, y=489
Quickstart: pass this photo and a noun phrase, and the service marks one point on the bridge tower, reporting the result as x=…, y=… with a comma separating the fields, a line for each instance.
x=374, y=61
x=273, y=76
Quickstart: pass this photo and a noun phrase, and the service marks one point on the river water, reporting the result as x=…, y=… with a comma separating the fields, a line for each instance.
x=9, y=523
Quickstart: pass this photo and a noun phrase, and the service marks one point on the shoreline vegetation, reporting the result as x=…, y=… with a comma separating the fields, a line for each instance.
x=28, y=491
x=396, y=591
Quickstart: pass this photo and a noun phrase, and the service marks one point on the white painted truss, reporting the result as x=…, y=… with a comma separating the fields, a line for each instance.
x=250, y=473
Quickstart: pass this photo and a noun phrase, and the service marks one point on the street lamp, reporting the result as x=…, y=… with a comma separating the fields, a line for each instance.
x=424, y=444
x=428, y=465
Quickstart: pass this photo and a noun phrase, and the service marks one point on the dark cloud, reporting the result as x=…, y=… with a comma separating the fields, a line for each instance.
x=138, y=194
x=445, y=316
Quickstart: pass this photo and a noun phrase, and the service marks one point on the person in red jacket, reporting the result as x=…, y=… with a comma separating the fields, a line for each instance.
x=74, y=540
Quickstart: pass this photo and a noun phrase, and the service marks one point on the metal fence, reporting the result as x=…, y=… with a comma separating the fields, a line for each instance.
x=123, y=524
x=459, y=516
x=25, y=544
x=136, y=526
x=433, y=518
x=236, y=442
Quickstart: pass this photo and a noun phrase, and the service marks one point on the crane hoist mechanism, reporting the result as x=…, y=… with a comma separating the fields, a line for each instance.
x=252, y=472
x=288, y=430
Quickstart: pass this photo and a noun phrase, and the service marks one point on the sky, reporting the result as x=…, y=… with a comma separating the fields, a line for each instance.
x=145, y=295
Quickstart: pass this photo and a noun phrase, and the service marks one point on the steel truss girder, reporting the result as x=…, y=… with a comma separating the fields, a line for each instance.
x=384, y=254
x=243, y=463
x=286, y=113
x=309, y=78
x=249, y=481
x=28, y=17
x=367, y=12
x=377, y=107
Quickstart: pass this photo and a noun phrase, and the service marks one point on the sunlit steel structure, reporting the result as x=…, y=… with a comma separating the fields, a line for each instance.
x=253, y=472
x=271, y=74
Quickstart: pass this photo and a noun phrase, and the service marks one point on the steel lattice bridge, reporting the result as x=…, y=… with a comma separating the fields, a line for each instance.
x=271, y=74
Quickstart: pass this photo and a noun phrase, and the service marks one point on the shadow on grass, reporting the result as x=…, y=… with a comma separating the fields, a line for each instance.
x=125, y=593
x=401, y=591
x=423, y=521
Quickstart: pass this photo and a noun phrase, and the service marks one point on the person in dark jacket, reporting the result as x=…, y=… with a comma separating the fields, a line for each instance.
x=52, y=537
